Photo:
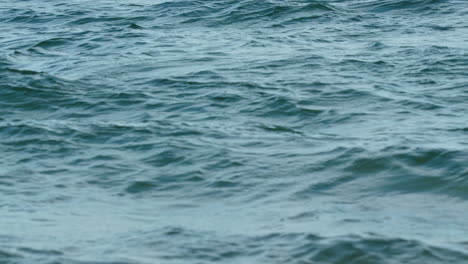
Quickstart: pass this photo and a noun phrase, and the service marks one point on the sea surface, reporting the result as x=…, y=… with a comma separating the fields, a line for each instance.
x=234, y=131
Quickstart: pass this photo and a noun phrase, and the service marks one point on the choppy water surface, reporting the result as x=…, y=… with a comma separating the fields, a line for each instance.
x=247, y=131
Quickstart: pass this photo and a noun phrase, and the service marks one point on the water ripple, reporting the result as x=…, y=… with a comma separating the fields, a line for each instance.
x=211, y=131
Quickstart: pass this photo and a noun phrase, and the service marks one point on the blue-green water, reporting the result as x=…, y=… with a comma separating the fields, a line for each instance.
x=221, y=131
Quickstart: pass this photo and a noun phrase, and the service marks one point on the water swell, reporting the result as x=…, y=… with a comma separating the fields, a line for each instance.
x=416, y=6
x=294, y=248
x=215, y=13
x=233, y=131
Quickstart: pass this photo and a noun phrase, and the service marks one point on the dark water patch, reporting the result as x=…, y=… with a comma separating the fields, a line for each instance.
x=275, y=106
x=165, y=158
x=24, y=72
x=104, y=19
x=440, y=27
x=36, y=91
x=225, y=99
x=464, y=130
x=135, y=26
x=51, y=43
x=389, y=171
x=140, y=186
x=435, y=170
x=8, y=257
x=418, y=105
x=280, y=129
x=438, y=171
x=28, y=16
x=433, y=158
x=381, y=250
x=416, y=6
x=40, y=251
x=165, y=182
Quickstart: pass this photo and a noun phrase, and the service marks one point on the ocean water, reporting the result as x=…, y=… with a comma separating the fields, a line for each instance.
x=222, y=131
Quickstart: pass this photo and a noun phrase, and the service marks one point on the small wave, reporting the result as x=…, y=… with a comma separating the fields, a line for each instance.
x=35, y=91
x=400, y=5
x=215, y=13
x=392, y=171
x=40, y=251
x=53, y=42
x=423, y=170
x=180, y=244
x=276, y=106
x=165, y=182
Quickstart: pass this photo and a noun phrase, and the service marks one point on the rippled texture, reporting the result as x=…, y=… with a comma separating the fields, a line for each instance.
x=247, y=131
